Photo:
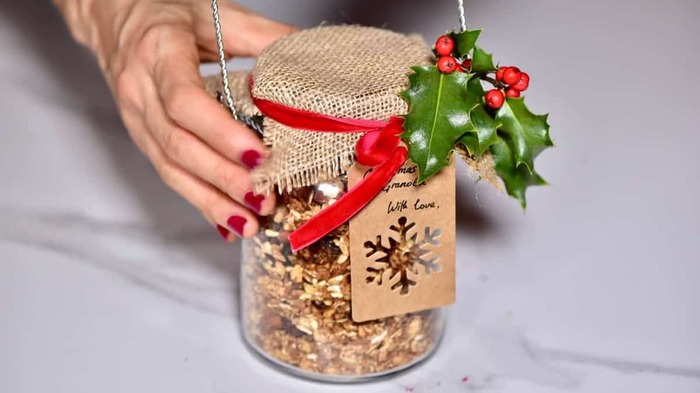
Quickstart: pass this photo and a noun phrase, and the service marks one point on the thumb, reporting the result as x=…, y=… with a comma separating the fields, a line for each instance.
x=246, y=33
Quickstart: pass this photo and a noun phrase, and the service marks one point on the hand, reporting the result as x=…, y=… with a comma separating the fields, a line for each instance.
x=150, y=52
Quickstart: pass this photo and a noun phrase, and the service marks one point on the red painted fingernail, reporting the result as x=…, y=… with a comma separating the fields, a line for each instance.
x=237, y=223
x=254, y=201
x=223, y=232
x=251, y=158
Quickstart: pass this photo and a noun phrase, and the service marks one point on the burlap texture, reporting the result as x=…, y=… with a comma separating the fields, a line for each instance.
x=482, y=168
x=343, y=71
x=238, y=81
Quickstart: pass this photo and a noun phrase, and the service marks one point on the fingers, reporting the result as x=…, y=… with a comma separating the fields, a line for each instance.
x=181, y=91
x=197, y=157
x=217, y=207
x=231, y=219
x=256, y=32
x=197, y=148
x=245, y=33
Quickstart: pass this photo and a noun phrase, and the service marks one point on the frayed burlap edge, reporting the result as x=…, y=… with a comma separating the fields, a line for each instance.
x=309, y=172
x=264, y=180
x=482, y=168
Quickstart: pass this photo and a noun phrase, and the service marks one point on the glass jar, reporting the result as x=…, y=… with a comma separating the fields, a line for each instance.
x=296, y=307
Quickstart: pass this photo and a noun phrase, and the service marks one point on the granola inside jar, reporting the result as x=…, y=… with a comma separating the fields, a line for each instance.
x=297, y=306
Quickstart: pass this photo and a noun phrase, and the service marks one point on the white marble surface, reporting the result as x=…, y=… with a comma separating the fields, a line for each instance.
x=109, y=283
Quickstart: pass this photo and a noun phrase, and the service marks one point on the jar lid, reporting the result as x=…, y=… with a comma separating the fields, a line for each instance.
x=350, y=72
x=343, y=71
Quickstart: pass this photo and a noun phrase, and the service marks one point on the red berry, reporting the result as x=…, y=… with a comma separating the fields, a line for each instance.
x=499, y=74
x=444, y=45
x=447, y=64
x=466, y=65
x=513, y=92
x=494, y=99
x=523, y=83
x=511, y=75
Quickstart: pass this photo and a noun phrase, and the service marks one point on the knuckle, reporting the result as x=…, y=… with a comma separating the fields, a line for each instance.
x=151, y=37
x=211, y=207
x=174, y=144
x=126, y=88
x=222, y=173
x=159, y=37
x=228, y=180
x=166, y=172
x=176, y=103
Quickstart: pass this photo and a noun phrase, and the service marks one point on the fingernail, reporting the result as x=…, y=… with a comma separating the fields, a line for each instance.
x=251, y=159
x=223, y=232
x=237, y=223
x=254, y=201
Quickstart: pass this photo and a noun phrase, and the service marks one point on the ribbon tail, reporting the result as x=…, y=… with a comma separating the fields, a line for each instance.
x=349, y=204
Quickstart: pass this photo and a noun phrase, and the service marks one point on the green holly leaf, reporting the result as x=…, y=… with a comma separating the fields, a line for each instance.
x=470, y=140
x=517, y=178
x=438, y=116
x=528, y=132
x=482, y=61
x=486, y=129
x=481, y=132
x=465, y=41
x=523, y=135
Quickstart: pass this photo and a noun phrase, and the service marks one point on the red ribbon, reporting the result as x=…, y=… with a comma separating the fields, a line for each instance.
x=379, y=148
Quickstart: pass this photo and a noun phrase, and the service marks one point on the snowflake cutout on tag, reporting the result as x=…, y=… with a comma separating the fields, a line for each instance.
x=402, y=256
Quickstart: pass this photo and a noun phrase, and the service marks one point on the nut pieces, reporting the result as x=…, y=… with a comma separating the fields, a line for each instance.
x=297, y=307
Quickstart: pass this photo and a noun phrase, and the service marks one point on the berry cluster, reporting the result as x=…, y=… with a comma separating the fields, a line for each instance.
x=509, y=82
x=510, y=79
x=447, y=63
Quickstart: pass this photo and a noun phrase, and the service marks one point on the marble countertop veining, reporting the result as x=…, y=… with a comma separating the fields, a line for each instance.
x=109, y=282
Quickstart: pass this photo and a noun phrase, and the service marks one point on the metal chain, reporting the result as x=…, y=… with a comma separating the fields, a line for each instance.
x=222, y=60
x=255, y=122
x=462, y=17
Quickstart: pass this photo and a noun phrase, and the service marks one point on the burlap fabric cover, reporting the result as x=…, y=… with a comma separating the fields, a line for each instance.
x=342, y=71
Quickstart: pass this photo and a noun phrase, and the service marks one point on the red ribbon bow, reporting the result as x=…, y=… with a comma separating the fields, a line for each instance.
x=379, y=148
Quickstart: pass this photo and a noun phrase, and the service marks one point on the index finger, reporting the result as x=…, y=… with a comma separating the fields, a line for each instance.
x=182, y=93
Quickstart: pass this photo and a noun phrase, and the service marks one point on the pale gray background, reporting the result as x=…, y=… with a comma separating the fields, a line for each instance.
x=110, y=283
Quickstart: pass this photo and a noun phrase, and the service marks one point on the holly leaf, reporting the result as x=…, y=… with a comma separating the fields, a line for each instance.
x=481, y=132
x=516, y=178
x=528, y=132
x=437, y=117
x=522, y=136
x=465, y=41
x=486, y=130
x=470, y=140
x=482, y=61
